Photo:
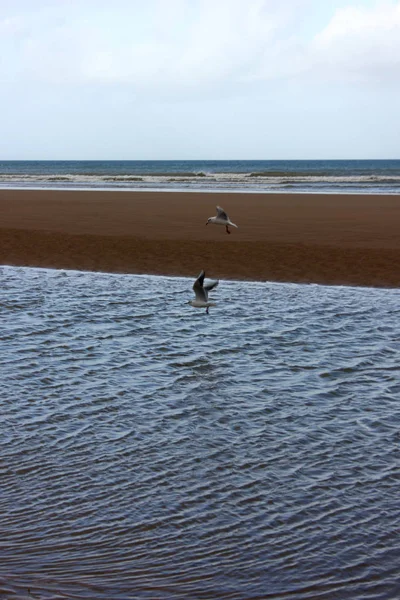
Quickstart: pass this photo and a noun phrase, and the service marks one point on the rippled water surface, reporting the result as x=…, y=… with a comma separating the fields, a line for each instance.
x=151, y=451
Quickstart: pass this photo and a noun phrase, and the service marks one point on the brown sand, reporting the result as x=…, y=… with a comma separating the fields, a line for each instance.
x=332, y=239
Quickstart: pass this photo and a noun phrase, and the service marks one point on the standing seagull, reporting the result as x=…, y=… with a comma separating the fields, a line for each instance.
x=201, y=292
x=222, y=219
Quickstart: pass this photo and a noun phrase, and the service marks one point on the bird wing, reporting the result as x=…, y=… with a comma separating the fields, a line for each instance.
x=210, y=286
x=221, y=214
x=198, y=288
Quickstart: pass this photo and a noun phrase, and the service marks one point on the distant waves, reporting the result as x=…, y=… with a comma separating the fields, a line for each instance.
x=251, y=176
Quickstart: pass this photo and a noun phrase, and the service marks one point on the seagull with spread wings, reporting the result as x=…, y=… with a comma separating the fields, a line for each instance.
x=221, y=219
x=201, y=292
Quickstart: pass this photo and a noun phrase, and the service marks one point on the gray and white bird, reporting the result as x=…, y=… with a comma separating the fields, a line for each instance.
x=201, y=292
x=222, y=219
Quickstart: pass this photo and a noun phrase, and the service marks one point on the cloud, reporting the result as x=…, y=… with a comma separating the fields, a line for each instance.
x=360, y=44
x=192, y=44
x=182, y=43
x=197, y=46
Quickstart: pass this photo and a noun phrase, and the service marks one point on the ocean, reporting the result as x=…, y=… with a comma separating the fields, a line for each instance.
x=311, y=176
x=149, y=450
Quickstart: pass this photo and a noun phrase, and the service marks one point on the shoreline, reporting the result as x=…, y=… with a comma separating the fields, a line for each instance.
x=172, y=190
x=329, y=239
x=192, y=278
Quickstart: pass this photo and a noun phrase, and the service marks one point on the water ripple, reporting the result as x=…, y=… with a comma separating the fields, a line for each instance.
x=151, y=451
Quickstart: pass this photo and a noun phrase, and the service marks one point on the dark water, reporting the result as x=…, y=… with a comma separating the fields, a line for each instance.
x=151, y=451
x=328, y=176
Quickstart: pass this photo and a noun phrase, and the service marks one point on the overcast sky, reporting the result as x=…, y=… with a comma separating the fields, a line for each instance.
x=199, y=79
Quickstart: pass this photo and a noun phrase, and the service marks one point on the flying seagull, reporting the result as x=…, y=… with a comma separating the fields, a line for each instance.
x=222, y=219
x=201, y=292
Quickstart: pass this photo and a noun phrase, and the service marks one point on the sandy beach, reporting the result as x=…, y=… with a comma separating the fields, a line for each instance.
x=310, y=238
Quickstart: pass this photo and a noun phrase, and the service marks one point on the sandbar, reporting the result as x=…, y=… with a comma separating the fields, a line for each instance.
x=331, y=239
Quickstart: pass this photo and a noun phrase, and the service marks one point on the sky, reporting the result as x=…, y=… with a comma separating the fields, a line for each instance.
x=199, y=79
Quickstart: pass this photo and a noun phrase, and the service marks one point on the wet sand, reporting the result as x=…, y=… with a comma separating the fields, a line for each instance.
x=309, y=238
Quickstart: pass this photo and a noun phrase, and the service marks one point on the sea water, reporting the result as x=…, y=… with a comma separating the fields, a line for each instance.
x=311, y=176
x=149, y=450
